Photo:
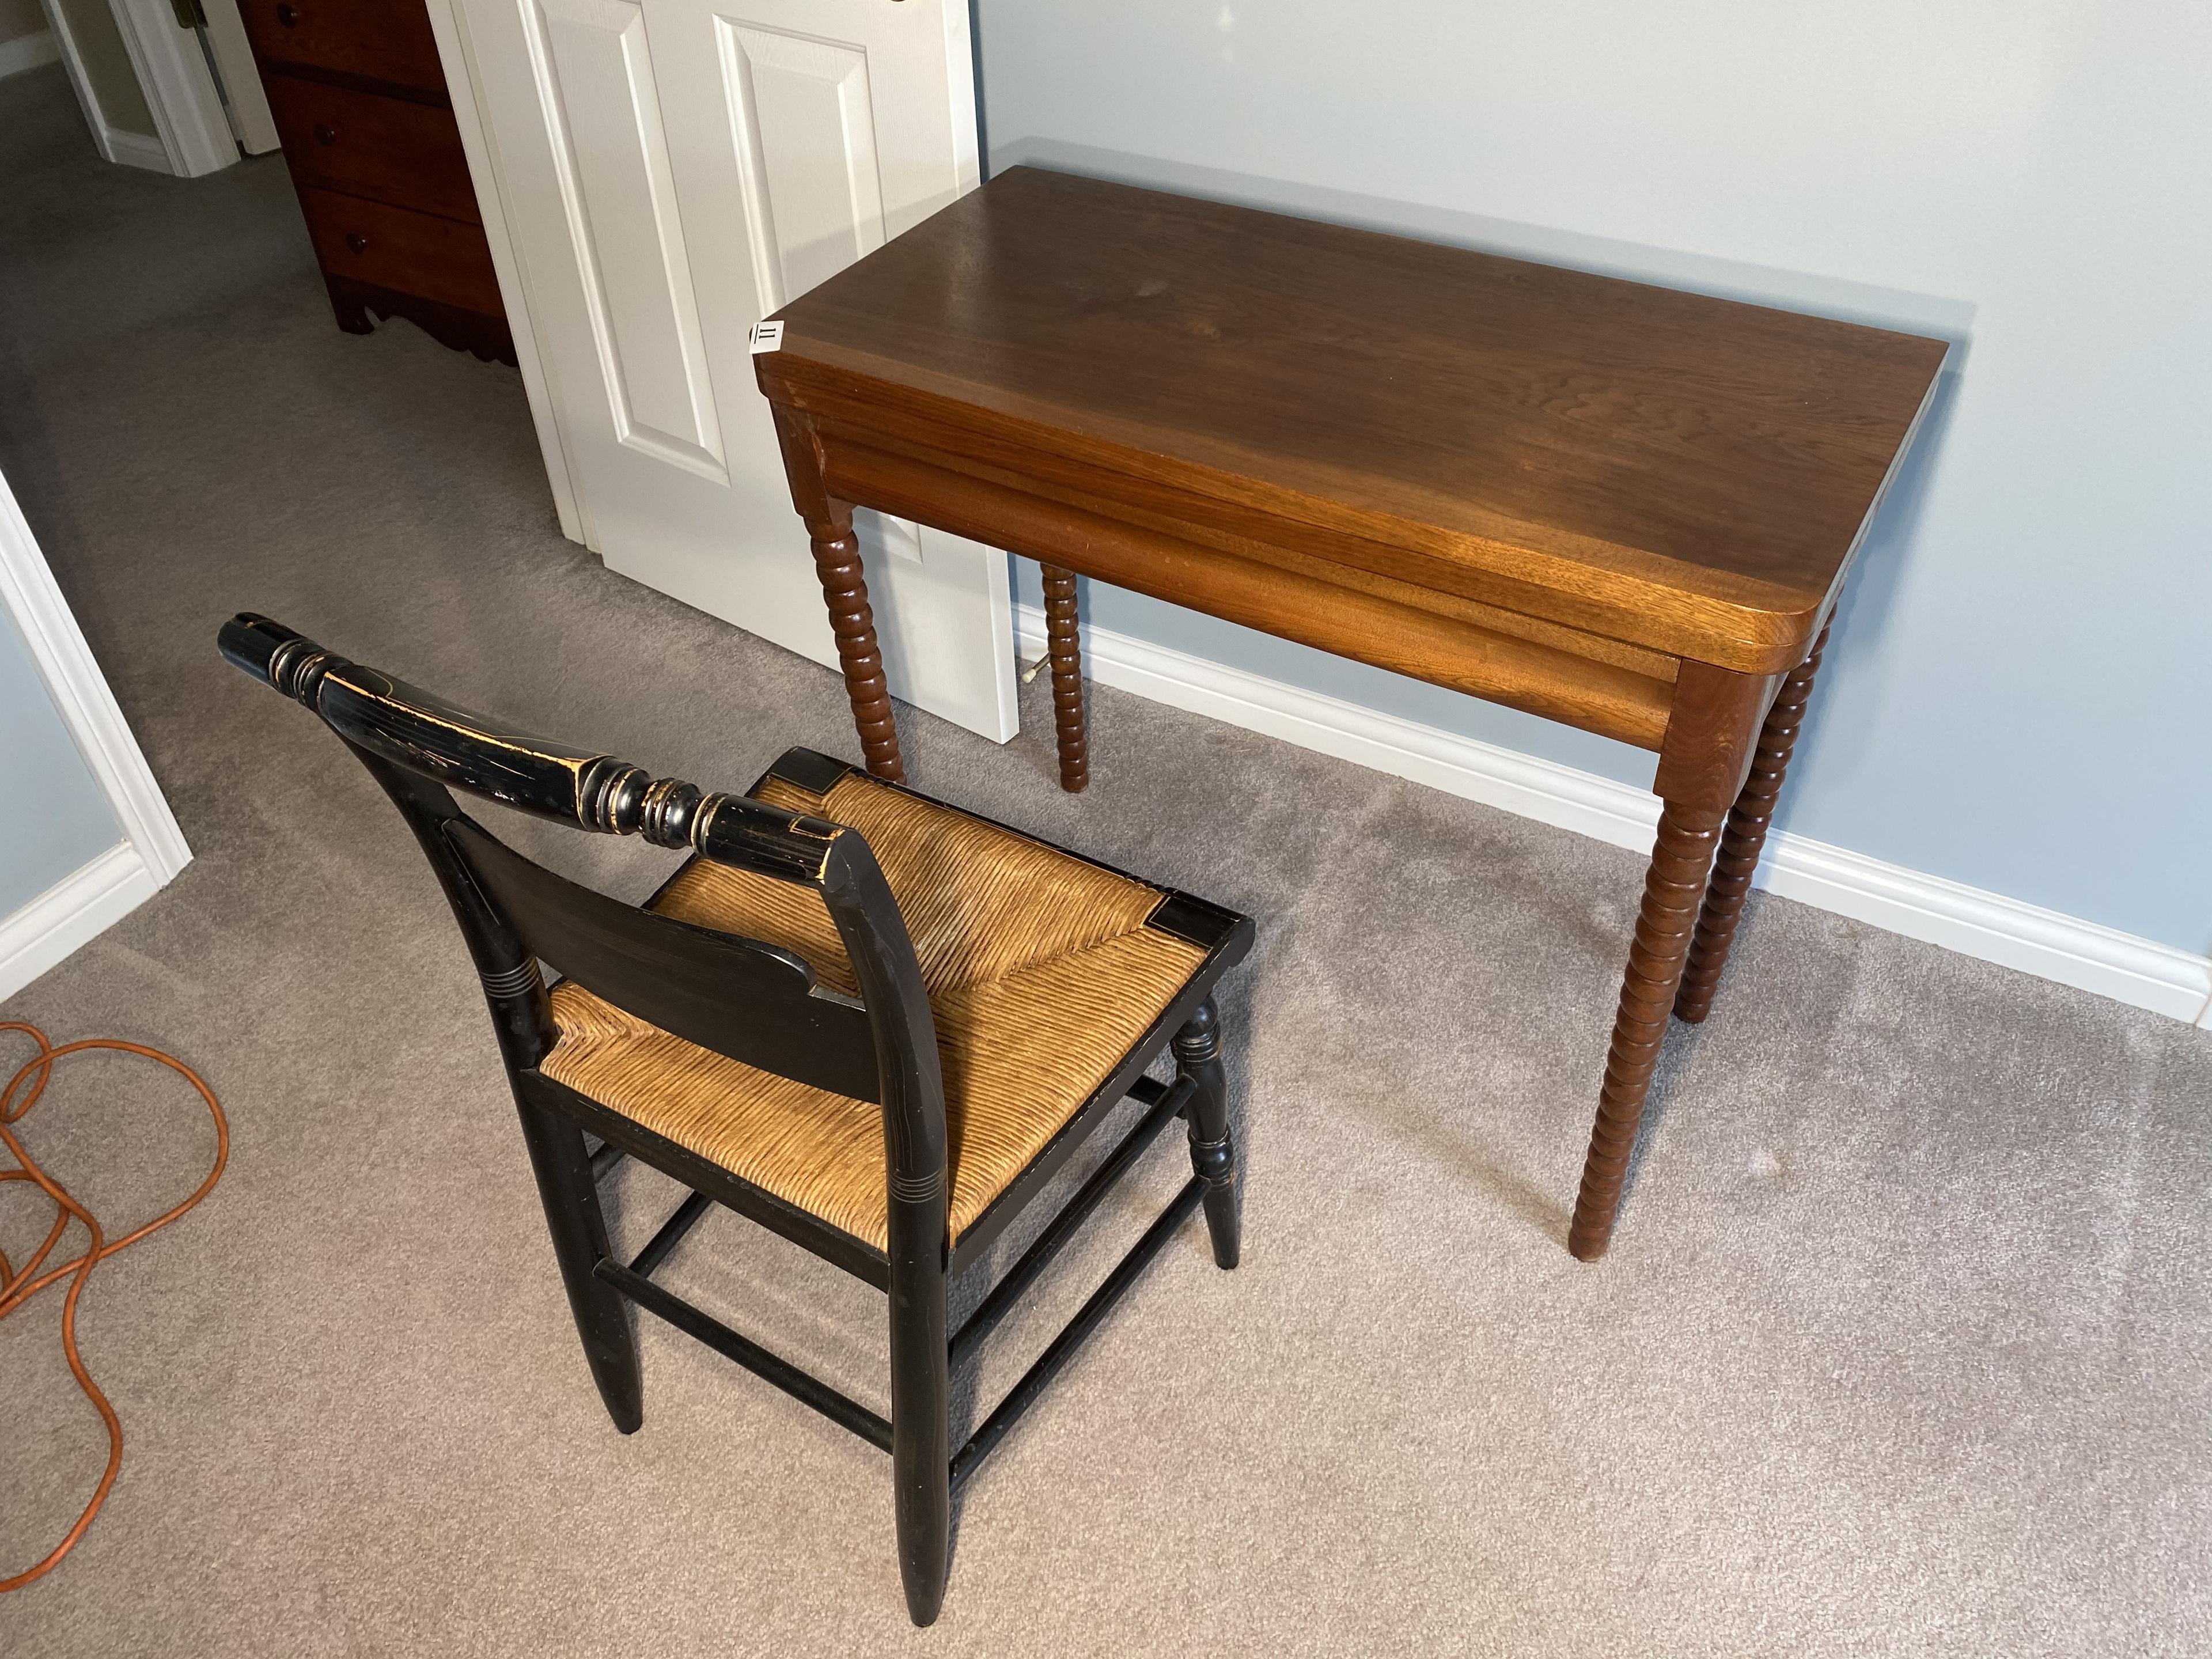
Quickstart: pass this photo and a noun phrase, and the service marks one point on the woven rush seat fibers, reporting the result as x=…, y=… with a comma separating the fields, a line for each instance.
x=1041, y=976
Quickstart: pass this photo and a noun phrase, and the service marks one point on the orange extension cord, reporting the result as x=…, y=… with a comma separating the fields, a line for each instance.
x=17, y=1288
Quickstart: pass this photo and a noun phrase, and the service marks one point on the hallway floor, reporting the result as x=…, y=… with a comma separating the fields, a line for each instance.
x=1904, y=1346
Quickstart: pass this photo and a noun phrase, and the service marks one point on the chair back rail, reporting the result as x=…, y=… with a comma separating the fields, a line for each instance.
x=583, y=788
x=747, y=999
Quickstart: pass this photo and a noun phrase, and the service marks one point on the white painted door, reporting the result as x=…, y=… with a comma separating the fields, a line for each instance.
x=671, y=171
x=243, y=99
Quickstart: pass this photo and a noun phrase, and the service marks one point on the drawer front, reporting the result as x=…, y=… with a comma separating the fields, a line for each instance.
x=409, y=154
x=381, y=39
x=397, y=248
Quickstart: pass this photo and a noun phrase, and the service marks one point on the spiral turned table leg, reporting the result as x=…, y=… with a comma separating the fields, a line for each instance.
x=1748, y=821
x=1065, y=645
x=837, y=562
x=1672, y=892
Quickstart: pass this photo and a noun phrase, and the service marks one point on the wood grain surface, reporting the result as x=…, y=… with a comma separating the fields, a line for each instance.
x=381, y=41
x=1682, y=472
x=390, y=150
x=394, y=248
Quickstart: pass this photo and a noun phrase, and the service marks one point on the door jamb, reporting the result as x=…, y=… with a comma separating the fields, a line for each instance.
x=191, y=134
x=114, y=143
x=250, y=116
x=180, y=90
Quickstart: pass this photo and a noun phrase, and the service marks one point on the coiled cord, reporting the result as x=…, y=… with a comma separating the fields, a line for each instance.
x=17, y=1287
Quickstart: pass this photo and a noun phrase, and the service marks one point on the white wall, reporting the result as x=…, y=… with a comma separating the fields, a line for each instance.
x=85, y=835
x=55, y=819
x=2018, y=695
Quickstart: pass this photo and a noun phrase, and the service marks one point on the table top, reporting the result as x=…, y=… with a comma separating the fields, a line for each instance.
x=1546, y=425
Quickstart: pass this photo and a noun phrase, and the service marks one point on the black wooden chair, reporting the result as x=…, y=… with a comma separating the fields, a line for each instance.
x=872, y=1022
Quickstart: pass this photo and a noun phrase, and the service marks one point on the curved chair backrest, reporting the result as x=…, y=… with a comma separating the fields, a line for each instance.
x=751, y=1002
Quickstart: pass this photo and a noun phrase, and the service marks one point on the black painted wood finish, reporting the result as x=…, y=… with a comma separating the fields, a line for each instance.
x=751, y=1002
x=762, y=1005
x=1212, y=1152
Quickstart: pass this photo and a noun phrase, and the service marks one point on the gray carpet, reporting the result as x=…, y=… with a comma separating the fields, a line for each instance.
x=1901, y=1347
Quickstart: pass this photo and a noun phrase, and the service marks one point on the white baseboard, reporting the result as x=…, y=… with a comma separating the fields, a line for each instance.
x=28, y=52
x=2084, y=954
x=135, y=149
x=72, y=911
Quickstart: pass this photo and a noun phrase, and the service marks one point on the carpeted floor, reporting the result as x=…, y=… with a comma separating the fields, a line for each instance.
x=1902, y=1347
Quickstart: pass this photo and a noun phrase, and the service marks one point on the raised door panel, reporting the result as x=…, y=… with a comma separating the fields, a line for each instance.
x=595, y=81
x=837, y=124
x=673, y=171
x=812, y=131
x=806, y=133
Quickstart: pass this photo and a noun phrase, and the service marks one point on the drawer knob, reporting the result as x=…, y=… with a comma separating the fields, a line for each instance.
x=356, y=241
x=326, y=135
x=288, y=17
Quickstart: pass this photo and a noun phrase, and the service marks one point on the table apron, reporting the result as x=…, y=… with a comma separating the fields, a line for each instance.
x=1303, y=605
x=1648, y=614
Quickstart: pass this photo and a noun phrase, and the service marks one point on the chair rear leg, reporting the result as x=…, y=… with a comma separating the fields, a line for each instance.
x=571, y=1198
x=1212, y=1154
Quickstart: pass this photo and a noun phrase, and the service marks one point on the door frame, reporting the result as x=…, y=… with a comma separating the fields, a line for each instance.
x=118, y=880
x=191, y=134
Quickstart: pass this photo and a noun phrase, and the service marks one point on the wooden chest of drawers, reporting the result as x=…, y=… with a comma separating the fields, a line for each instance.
x=360, y=99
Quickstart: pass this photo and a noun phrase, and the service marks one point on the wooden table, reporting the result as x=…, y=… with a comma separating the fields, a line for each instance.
x=1620, y=506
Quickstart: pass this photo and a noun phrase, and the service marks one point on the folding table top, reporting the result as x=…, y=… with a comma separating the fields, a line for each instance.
x=1558, y=428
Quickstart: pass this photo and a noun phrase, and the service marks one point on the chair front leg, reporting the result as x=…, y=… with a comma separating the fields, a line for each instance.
x=1213, y=1153
x=571, y=1199
x=921, y=1397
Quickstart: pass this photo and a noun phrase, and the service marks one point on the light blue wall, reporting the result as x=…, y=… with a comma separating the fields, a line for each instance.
x=2020, y=691
x=53, y=817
